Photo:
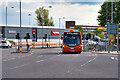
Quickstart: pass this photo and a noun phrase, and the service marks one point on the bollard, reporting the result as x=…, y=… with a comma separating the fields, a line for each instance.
x=32, y=45
x=20, y=47
x=47, y=45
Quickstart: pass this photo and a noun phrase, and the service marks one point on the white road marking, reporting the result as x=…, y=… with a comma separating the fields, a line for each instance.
x=19, y=66
x=39, y=61
x=89, y=61
x=9, y=59
x=112, y=58
x=116, y=59
x=40, y=56
x=68, y=71
x=59, y=55
x=4, y=60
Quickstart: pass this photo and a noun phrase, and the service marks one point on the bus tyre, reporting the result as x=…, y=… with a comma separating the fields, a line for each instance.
x=79, y=52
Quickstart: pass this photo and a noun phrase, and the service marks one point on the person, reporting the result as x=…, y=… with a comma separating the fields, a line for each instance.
x=94, y=48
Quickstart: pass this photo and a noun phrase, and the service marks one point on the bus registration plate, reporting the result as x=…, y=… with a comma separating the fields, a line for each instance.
x=72, y=51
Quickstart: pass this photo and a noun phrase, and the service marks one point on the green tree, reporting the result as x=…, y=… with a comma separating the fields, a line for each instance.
x=46, y=20
x=79, y=28
x=99, y=33
x=102, y=13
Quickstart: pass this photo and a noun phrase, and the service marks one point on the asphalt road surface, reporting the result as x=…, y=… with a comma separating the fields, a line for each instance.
x=51, y=63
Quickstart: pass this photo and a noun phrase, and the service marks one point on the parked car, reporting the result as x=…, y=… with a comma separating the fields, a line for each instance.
x=5, y=44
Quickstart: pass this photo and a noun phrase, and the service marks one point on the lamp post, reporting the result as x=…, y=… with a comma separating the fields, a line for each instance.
x=112, y=22
x=20, y=24
x=43, y=22
x=106, y=25
x=6, y=17
x=59, y=27
x=29, y=18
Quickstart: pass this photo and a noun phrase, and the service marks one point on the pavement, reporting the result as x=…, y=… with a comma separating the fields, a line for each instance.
x=106, y=52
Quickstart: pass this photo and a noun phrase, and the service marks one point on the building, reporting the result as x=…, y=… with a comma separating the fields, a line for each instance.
x=89, y=28
x=86, y=28
x=51, y=32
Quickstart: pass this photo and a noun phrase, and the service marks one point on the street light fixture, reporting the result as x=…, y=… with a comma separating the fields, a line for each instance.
x=42, y=21
x=6, y=16
x=59, y=27
x=29, y=18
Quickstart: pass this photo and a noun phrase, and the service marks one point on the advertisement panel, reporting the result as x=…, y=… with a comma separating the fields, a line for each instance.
x=55, y=33
x=33, y=31
x=34, y=34
x=11, y=32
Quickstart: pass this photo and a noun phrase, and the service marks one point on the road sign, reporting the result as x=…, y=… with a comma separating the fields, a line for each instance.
x=112, y=28
x=34, y=34
x=34, y=31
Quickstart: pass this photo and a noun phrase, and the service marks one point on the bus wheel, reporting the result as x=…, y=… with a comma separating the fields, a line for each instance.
x=63, y=52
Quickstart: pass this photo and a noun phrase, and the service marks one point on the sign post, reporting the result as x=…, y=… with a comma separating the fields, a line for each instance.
x=112, y=29
x=117, y=38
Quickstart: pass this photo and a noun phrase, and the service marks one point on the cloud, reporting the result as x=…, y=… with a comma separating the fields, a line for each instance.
x=81, y=13
x=54, y=1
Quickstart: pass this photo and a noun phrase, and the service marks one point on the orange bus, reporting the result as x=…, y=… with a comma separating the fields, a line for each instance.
x=72, y=42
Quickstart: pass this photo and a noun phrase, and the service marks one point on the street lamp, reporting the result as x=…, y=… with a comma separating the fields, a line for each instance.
x=6, y=17
x=29, y=18
x=43, y=22
x=20, y=24
x=59, y=28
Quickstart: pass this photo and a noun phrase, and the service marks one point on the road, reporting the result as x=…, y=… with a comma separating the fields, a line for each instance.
x=51, y=63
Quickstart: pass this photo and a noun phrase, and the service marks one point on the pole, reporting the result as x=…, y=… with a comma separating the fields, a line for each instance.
x=117, y=38
x=6, y=21
x=29, y=18
x=108, y=38
x=42, y=27
x=106, y=25
x=20, y=47
x=112, y=22
x=59, y=30
x=84, y=43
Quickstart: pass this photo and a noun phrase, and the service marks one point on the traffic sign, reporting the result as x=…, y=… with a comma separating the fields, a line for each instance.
x=112, y=28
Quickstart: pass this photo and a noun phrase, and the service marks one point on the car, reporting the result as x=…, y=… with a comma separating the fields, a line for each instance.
x=90, y=42
x=5, y=44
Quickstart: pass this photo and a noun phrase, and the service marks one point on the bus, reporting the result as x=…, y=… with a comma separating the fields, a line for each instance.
x=72, y=41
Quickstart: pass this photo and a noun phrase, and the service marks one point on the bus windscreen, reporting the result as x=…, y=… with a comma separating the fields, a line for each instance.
x=72, y=39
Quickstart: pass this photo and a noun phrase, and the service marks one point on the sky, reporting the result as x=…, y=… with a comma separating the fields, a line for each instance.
x=83, y=12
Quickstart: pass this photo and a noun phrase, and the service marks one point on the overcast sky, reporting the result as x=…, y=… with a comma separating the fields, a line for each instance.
x=84, y=13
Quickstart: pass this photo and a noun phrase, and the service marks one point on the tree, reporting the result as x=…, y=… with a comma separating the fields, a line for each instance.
x=79, y=28
x=46, y=20
x=102, y=13
x=99, y=33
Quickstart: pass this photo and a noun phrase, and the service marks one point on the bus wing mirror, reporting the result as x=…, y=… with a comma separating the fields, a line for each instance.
x=61, y=37
x=61, y=46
